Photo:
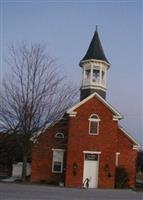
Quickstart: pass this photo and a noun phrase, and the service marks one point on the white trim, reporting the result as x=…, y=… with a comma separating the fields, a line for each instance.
x=58, y=150
x=69, y=111
x=97, y=120
x=105, y=78
x=53, y=160
x=117, y=159
x=96, y=167
x=101, y=87
x=72, y=114
x=97, y=133
x=116, y=118
x=92, y=152
x=100, y=76
x=59, y=135
x=94, y=119
x=131, y=137
x=91, y=74
x=136, y=147
x=94, y=60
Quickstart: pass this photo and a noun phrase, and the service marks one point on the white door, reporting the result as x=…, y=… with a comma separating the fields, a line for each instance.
x=91, y=163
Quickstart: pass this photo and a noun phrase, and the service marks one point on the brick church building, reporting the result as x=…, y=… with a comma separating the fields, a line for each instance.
x=87, y=142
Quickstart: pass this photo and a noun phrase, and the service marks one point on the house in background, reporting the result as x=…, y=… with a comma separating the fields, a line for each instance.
x=11, y=158
x=87, y=143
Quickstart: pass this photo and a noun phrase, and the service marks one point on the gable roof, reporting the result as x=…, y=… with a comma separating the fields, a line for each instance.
x=129, y=136
x=113, y=110
x=95, y=50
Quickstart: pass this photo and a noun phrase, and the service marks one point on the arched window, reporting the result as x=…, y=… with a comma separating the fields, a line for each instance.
x=59, y=135
x=94, y=124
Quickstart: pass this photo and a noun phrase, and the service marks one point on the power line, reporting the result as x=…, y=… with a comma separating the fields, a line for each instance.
x=133, y=114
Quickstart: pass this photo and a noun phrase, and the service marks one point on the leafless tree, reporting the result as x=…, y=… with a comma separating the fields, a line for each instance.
x=33, y=95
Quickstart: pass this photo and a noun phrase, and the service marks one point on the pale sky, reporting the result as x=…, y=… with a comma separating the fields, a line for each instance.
x=67, y=27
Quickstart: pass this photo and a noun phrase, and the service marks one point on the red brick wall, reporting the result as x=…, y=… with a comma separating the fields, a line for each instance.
x=42, y=155
x=79, y=141
x=109, y=141
x=127, y=157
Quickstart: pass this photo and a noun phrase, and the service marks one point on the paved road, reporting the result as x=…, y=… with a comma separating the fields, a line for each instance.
x=34, y=192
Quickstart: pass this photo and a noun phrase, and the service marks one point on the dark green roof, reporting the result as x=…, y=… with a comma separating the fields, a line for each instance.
x=95, y=50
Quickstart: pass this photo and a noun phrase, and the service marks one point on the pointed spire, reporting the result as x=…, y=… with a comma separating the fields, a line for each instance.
x=95, y=50
x=96, y=30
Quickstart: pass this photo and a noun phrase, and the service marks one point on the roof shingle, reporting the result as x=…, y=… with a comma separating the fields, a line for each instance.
x=95, y=50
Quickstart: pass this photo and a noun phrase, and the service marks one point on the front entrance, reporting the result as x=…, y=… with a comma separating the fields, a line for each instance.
x=90, y=172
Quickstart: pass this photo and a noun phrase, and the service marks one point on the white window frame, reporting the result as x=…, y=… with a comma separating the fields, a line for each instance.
x=54, y=160
x=94, y=120
x=59, y=135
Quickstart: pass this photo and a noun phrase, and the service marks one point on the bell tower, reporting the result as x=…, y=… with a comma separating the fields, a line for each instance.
x=94, y=65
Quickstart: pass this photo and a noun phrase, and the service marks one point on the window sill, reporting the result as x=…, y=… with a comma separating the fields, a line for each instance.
x=93, y=133
x=56, y=172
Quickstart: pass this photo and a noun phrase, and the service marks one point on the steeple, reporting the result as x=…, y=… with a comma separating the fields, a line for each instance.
x=95, y=50
x=95, y=66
